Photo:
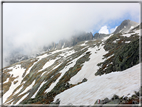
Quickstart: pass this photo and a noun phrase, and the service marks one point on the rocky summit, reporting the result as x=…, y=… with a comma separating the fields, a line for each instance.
x=104, y=70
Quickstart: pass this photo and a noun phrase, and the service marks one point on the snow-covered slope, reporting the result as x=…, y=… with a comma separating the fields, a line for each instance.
x=120, y=83
x=78, y=75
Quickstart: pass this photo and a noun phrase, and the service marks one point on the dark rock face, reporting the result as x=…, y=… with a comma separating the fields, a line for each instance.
x=125, y=26
x=99, y=36
x=120, y=55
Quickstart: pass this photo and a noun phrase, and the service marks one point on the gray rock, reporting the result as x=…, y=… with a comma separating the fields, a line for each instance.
x=105, y=100
x=84, y=80
x=99, y=36
x=57, y=101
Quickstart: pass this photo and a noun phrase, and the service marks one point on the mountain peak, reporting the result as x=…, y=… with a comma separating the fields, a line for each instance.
x=125, y=26
x=126, y=21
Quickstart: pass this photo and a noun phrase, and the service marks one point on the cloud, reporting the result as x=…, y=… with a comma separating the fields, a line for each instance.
x=104, y=30
x=30, y=26
x=113, y=29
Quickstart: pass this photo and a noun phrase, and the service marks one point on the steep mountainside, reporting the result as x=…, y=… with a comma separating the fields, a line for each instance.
x=107, y=69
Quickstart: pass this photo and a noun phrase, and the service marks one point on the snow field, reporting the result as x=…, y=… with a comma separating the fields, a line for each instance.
x=100, y=87
x=90, y=67
x=42, y=56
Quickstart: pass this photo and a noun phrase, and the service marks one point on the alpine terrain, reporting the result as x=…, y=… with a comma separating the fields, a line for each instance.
x=85, y=70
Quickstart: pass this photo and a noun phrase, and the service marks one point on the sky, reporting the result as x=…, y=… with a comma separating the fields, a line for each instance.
x=27, y=27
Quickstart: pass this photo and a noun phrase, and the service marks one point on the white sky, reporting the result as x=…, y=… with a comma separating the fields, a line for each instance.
x=29, y=26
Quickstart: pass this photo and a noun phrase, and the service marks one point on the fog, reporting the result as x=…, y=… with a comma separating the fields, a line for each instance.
x=27, y=27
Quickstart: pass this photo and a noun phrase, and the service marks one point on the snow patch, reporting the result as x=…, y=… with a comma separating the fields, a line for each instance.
x=109, y=56
x=84, y=44
x=22, y=98
x=127, y=35
x=7, y=79
x=127, y=41
x=28, y=88
x=63, y=45
x=115, y=41
x=49, y=63
x=120, y=31
x=42, y=56
x=131, y=27
x=17, y=71
x=105, y=38
x=138, y=31
x=30, y=68
x=38, y=89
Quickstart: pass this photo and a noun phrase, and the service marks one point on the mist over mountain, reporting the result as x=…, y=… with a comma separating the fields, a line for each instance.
x=85, y=70
x=28, y=27
x=18, y=55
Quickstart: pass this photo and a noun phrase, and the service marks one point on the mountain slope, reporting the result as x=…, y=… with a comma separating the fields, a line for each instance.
x=80, y=74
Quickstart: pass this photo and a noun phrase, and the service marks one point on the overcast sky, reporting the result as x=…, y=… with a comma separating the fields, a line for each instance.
x=29, y=26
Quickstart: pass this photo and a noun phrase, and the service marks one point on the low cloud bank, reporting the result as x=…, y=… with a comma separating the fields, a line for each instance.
x=27, y=27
